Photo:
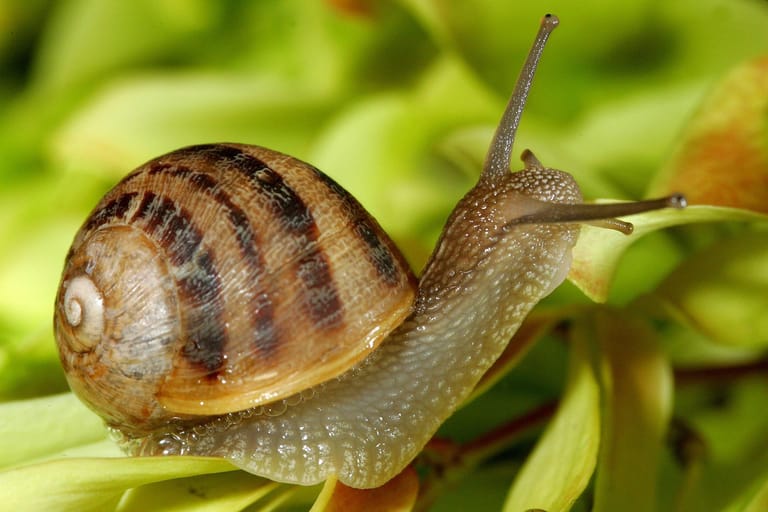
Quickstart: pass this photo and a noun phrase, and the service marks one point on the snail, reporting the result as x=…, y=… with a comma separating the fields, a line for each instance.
x=229, y=300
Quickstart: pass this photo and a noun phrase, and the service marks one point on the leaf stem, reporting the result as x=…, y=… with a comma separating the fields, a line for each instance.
x=702, y=374
x=446, y=462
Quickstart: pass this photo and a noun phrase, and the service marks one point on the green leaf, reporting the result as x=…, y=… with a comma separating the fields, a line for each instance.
x=636, y=384
x=93, y=484
x=487, y=32
x=222, y=492
x=756, y=500
x=599, y=250
x=730, y=462
x=133, y=120
x=722, y=292
x=34, y=428
x=96, y=483
x=87, y=39
x=628, y=158
x=561, y=465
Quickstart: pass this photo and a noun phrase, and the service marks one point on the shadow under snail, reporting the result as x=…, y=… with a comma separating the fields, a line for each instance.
x=229, y=300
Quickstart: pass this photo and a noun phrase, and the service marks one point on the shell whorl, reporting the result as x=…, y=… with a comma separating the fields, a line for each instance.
x=271, y=279
x=84, y=309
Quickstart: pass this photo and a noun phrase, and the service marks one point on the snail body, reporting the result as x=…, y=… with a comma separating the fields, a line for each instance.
x=229, y=300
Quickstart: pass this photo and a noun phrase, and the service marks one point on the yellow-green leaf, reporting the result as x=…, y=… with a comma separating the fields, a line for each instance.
x=722, y=291
x=599, y=250
x=135, y=119
x=637, y=400
x=83, y=485
x=562, y=463
x=223, y=492
x=34, y=428
x=756, y=500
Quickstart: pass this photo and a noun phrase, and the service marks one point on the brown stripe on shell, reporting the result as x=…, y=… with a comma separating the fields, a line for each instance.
x=199, y=286
x=322, y=298
x=170, y=226
x=144, y=208
x=379, y=254
x=205, y=331
x=113, y=211
x=266, y=337
x=319, y=295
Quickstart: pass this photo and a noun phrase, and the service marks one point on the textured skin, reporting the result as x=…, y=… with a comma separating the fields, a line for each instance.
x=228, y=276
x=366, y=426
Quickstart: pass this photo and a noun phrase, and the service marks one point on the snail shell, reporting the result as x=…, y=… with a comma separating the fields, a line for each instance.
x=220, y=277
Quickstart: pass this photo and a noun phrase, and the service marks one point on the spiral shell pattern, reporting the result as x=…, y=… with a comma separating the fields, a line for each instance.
x=260, y=275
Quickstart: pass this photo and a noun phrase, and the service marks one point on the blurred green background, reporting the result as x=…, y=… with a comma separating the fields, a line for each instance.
x=395, y=100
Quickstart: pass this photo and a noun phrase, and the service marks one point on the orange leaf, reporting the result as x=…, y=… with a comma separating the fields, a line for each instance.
x=397, y=495
x=723, y=157
x=358, y=8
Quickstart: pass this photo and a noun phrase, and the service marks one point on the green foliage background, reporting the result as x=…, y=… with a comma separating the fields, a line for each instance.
x=397, y=101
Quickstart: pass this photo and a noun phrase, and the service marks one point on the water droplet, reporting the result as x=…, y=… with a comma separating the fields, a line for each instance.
x=171, y=444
